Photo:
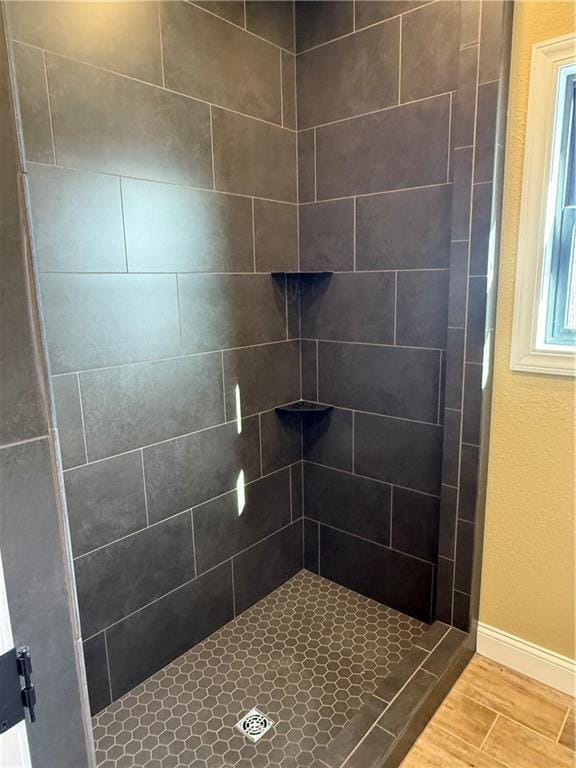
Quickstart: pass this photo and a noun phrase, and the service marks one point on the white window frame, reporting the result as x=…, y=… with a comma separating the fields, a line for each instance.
x=528, y=353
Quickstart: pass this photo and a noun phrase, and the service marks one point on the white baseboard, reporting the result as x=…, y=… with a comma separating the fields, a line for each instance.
x=527, y=658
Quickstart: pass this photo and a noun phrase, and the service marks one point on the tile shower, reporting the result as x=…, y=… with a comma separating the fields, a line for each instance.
x=177, y=154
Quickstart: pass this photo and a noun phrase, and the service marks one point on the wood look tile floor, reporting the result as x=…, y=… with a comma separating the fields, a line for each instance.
x=496, y=718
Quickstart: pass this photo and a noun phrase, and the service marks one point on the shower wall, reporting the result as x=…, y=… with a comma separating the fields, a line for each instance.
x=161, y=158
x=375, y=120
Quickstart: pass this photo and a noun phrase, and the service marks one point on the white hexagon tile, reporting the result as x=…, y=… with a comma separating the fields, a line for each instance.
x=305, y=656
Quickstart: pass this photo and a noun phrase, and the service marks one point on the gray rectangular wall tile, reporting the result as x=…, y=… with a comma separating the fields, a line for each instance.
x=308, y=362
x=327, y=439
x=177, y=229
x=372, y=11
x=33, y=102
x=134, y=405
x=226, y=311
x=296, y=490
x=288, y=87
x=222, y=527
x=97, y=320
x=415, y=524
x=273, y=20
x=96, y=663
x=465, y=99
x=232, y=10
x=306, y=167
x=126, y=575
x=422, y=308
x=66, y=394
x=327, y=235
x=275, y=236
x=476, y=320
x=281, y=440
x=400, y=147
x=318, y=21
x=105, y=122
x=486, y=132
x=311, y=533
x=189, y=470
x=244, y=75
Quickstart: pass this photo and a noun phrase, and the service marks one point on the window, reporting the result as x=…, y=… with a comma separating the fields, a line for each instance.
x=544, y=332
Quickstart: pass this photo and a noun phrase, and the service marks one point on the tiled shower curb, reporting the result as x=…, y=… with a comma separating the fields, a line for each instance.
x=390, y=720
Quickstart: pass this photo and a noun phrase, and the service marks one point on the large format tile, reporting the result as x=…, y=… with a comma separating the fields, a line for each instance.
x=227, y=311
x=464, y=556
x=253, y=158
x=98, y=320
x=264, y=377
x=390, y=380
x=404, y=230
x=281, y=436
x=464, y=103
x=486, y=131
x=124, y=37
x=231, y=10
x=77, y=220
x=476, y=330
x=465, y=718
x=105, y=501
x=422, y=308
x=126, y=575
x=33, y=103
x=244, y=75
x=306, y=167
x=415, y=524
x=327, y=439
x=105, y=122
x=96, y=663
x=350, y=307
x=318, y=21
x=69, y=419
x=400, y=452
x=177, y=229
x=288, y=88
x=327, y=235
x=436, y=748
x=399, y=712
x=189, y=470
x=404, y=583
x=134, y=405
x=400, y=147
x=512, y=744
x=481, y=228
x=267, y=565
x=430, y=50
x=350, y=503
x=227, y=525
x=372, y=11
x=350, y=76
x=311, y=540
x=273, y=20
x=275, y=236
x=151, y=638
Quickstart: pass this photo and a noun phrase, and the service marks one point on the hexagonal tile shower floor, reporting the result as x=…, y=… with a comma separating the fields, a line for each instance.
x=305, y=656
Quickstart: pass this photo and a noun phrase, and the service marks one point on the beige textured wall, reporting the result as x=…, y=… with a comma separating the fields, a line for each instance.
x=528, y=567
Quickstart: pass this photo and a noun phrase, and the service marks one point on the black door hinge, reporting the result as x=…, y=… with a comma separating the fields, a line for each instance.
x=15, y=671
x=25, y=671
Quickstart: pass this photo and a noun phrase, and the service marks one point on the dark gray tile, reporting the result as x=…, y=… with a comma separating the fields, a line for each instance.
x=476, y=320
x=491, y=38
x=430, y=39
x=126, y=575
x=454, y=368
x=372, y=11
x=275, y=236
x=437, y=662
x=401, y=672
x=232, y=10
x=77, y=219
x=480, y=231
x=465, y=98
x=350, y=76
x=327, y=235
x=400, y=452
x=33, y=103
x=135, y=405
x=422, y=308
x=121, y=37
x=227, y=311
x=352, y=733
x=267, y=565
x=245, y=75
x=296, y=490
x=293, y=291
x=350, y=307
x=105, y=501
x=223, y=527
x=353, y=504
x=447, y=527
x=99, y=320
x=266, y=376
x=451, y=448
x=461, y=193
x=36, y=573
x=390, y=380
x=458, y=285
x=306, y=166
x=311, y=540
x=172, y=228
x=309, y=370
x=432, y=636
x=472, y=404
x=486, y=132
x=404, y=230
x=415, y=524
x=69, y=419
x=400, y=147
x=462, y=611
x=96, y=663
x=469, y=22
x=400, y=710
x=273, y=20
x=444, y=589
x=464, y=556
x=253, y=158
x=105, y=122
x=328, y=439
x=372, y=750
x=318, y=21
x=288, y=90
x=216, y=455
x=151, y=638
x=281, y=440
x=468, y=484
x=402, y=582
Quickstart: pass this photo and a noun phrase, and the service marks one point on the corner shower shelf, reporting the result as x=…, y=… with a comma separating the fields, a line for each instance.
x=302, y=275
x=303, y=407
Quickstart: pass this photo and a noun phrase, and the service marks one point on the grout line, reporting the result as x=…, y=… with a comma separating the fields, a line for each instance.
x=82, y=418
x=364, y=344
x=400, y=60
x=282, y=120
x=354, y=207
x=223, y=390
x=30, y=440
x=563, y=724
x=317, y=371
x=315, y=169
x=123, y=214
x=49, y=106
x=318, y=536
x=192, y=274
x=212, y=148
x=108, y=666
x=395, y=305
x=145, y=491
x=179, y=315
x=441, y=369
x=485, y=739
x=290, y=493
x=353, y=440
x=253, y=237
x=161, y=46
x=449, y=138
x=260, y=445
x=286, y=306
x=233, y=587
x=376, y=480
x=391, y=514
x=244, y=14
x=194, y=543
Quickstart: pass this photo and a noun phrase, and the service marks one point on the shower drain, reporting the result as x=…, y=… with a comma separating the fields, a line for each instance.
x=254, y=724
